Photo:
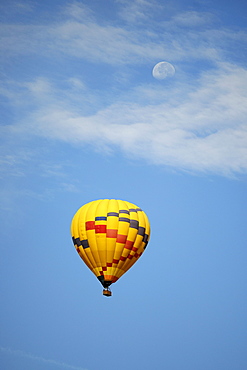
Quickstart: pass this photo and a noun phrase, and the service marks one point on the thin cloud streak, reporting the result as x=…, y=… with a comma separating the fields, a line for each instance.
x=82, y=36
x=19, y=353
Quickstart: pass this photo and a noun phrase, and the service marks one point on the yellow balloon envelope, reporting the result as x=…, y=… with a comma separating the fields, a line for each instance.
x=110, y=235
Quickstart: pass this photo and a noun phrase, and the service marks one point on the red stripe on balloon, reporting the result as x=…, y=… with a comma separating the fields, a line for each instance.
x=90, y=225
x=111, y=233
x=121, y=238
x=100, y=229
x=129, y=244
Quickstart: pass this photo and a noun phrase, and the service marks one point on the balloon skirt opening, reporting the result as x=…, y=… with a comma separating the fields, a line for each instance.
x=104, y=282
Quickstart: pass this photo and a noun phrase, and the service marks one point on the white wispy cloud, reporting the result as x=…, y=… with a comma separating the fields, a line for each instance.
x=199, y=129
x=82, y=36
x=192, y=19
x=17, y=8
x=136, y=11
x=18, y=353
x=78, y=10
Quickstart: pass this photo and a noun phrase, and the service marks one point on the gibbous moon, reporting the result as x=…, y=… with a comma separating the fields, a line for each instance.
x=163, y=70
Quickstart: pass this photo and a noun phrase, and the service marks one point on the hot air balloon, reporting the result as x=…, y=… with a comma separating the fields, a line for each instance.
x=109, y=236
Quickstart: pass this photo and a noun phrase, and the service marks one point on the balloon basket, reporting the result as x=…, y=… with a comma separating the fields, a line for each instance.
x=107, y=292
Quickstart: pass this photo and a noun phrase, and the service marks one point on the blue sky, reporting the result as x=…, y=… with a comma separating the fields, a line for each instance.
x=82, y=118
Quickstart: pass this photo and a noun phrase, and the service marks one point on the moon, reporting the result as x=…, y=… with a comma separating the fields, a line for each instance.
x=163, y=70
